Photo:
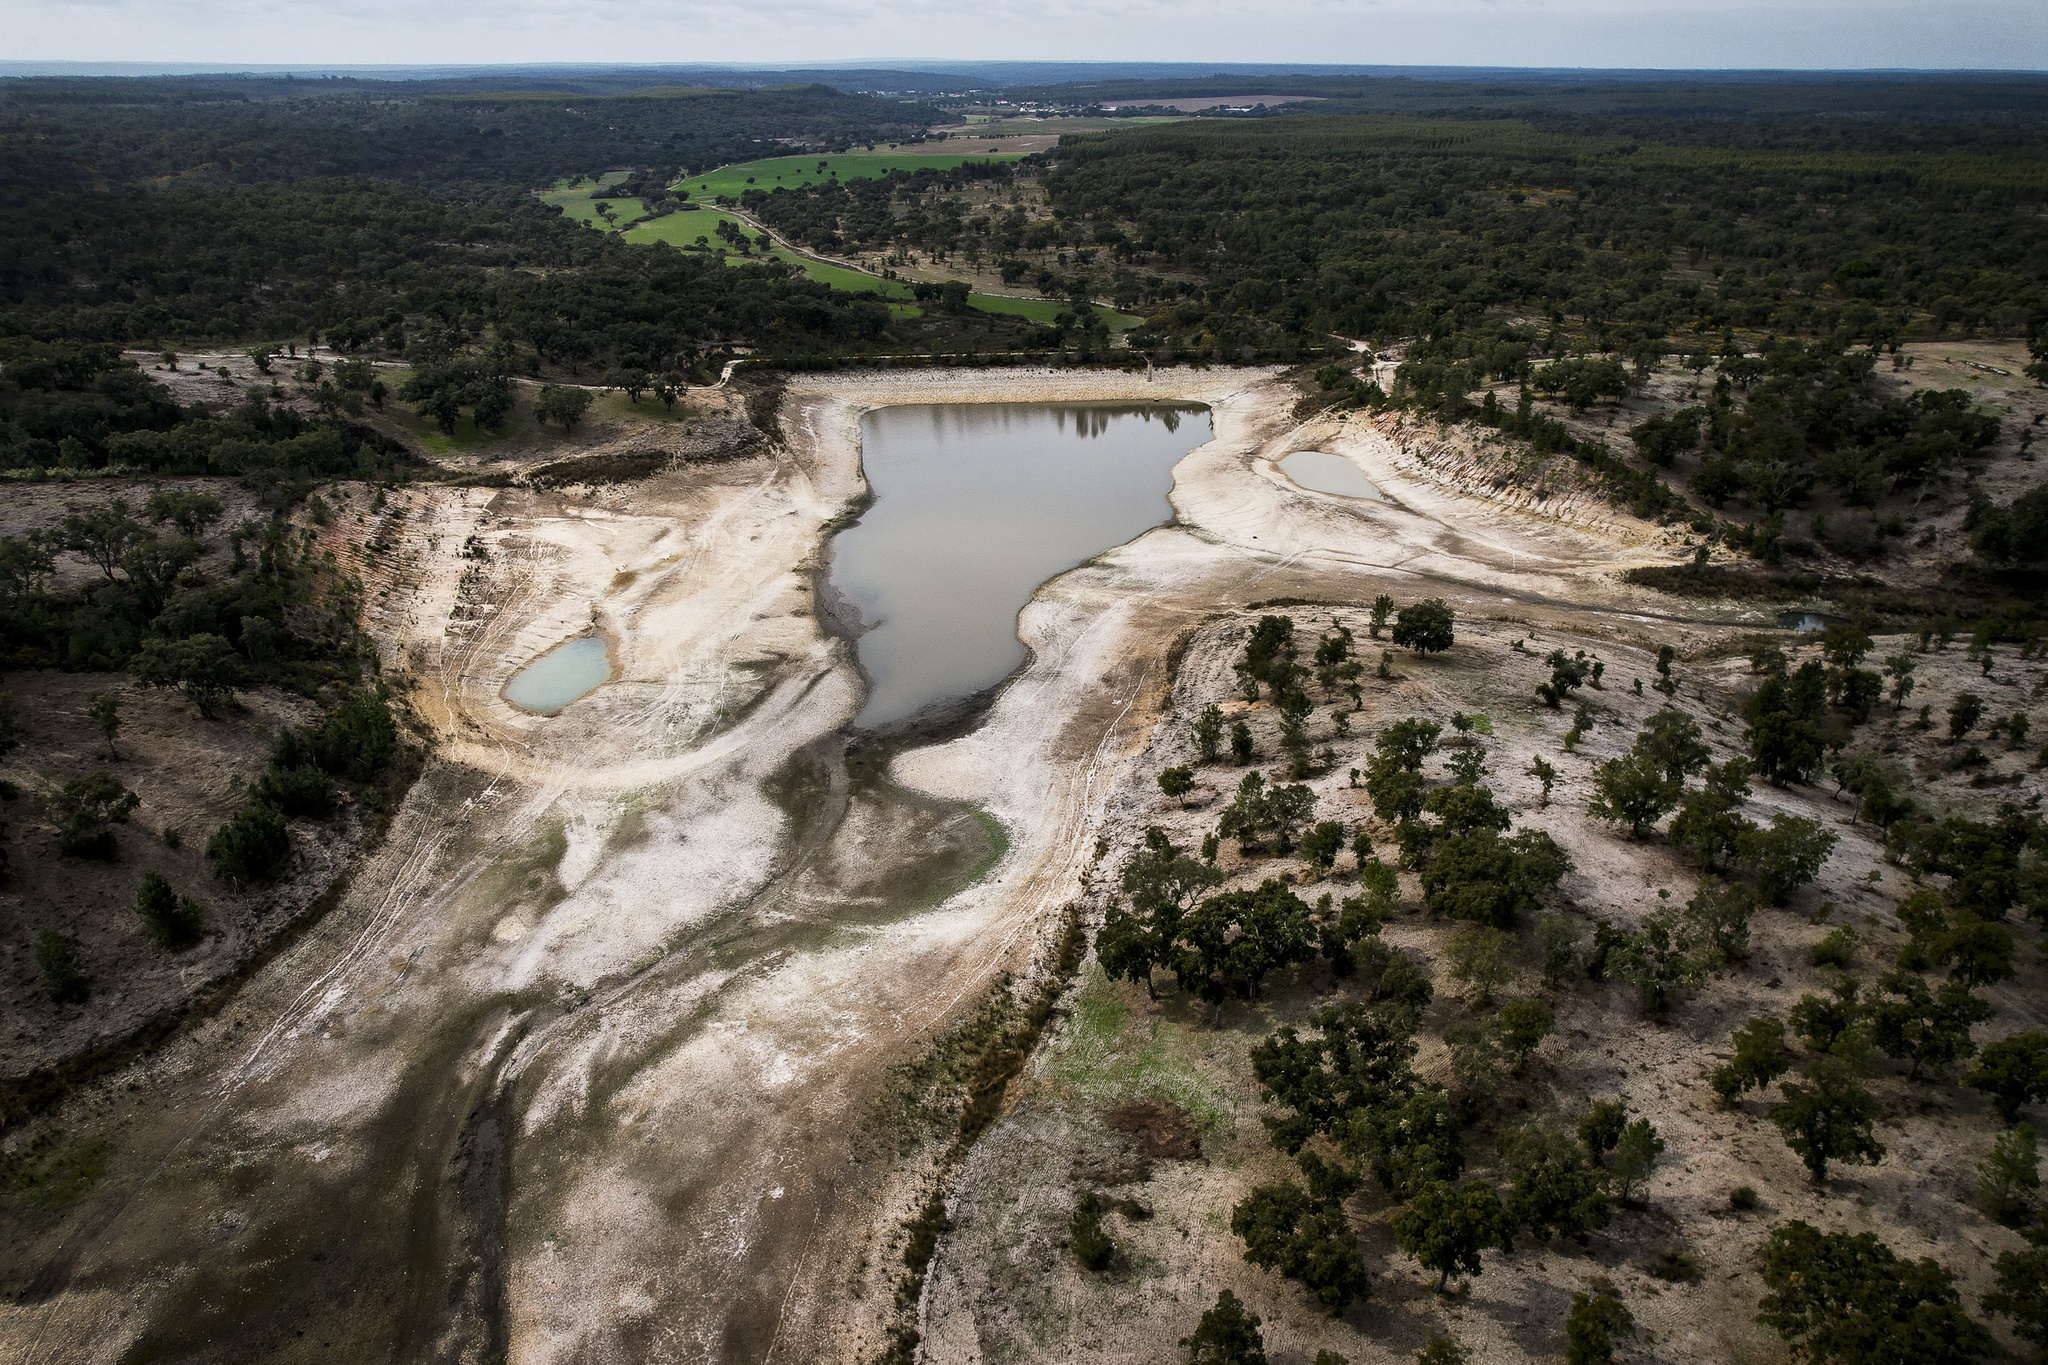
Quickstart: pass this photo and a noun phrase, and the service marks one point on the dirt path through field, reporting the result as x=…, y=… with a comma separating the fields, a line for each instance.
x=585, y=1067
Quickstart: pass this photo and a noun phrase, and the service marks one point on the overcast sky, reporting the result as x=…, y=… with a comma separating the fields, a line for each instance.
x=2007, y=34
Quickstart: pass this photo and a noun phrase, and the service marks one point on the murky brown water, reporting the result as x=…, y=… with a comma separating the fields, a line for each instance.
x=976, y=504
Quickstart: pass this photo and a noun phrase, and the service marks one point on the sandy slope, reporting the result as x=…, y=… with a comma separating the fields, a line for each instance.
x=584, y=1066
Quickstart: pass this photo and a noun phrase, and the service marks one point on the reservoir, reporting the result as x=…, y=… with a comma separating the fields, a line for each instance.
x=975, y=505
x=561, y=675
x=1327, y=473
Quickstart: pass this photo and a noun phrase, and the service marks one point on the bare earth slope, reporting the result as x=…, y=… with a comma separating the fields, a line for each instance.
x=586, y=1065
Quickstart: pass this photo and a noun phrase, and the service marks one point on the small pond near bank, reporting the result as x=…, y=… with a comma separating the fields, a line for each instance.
x=560, y=676
x=1801, y=620
x=975, y=505
x=1326, y=473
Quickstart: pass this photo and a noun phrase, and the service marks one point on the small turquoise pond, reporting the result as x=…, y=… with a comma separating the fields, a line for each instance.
x=561, y=675
x=1327, y=473
x=1809, y=620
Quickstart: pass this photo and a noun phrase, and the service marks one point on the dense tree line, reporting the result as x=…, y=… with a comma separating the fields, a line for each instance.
x=1392, y=228
x=166, y=211
x=106, y=132
x=82, y=406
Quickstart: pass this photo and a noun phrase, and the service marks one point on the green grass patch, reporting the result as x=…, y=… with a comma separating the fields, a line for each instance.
x=52, y=1173
x=1109, y=1057
x=793, y=172
x=581, y=204
x=1042, y=310
x=696, y=229
x=684, y=229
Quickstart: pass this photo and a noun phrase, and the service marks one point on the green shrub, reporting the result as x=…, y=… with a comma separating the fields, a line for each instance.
x=1227, y=1335
x=254, y=846
x=63, y=970
x=306, y=792
x=358, y=739
x=174, y=919
x=1837, y=949
x=2010, y=1177
x=1092, y=1247
x=1592, y=1325
x=85, y=812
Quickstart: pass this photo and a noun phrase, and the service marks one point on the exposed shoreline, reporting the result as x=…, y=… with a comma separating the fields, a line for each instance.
x=602, y=856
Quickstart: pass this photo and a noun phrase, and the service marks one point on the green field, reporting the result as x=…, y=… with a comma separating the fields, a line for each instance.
x=682, y=231
x=790, y=172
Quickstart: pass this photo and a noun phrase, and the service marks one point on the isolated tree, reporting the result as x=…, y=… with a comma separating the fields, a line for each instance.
x=1633, y=790
x=1524, y=1024
x=1427, y=627
x=1227, y=1335
x=1208, y=731
x=1659, y=962
x=253, y=846
x=204, y=667
x=1568, y=673
x=175, y=920
x=62, y=968
x=1977, y=952
x=1268, y=658
x=1160, y=884
x=1229, y=943
x=1177, y=782
x=1912, y=1024
x=2009, y=1176
x=1441, y=1349
x=1829, y=1119
x=1717, y=920
x=1410, y=1142
x=1786, y=747
x=1483, y=960
x=1091, y=1246
x=563, y=404
x=1635, y=1157
x=1786, y=855
x=1843, y=1299
x=1824, y=1021
x=1355, y=1056
x=102, y=535
x=2012, y=1073
x=1306, y=1237
x=1445, y=1227
x=1483, y=876
x=630, y=382
x=1241, y=751
x=1562, y=939
x=1382, y=612
x=1557, y=1191
x=1591, y=1327
x=1601, y=1127
x=85, y=811
x=1709, y=819
x=105, y=710
x=1963, y=715
x=1321, y=845
x=1761, y=1056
